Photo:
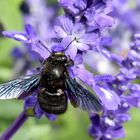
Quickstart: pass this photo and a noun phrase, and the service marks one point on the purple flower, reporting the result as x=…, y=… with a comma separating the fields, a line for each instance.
x=97, y=14
x=104, y=128
x=74, y=35
x=19, y=36
x=31, y=41
x=122, y=10
x=73, y=6
x=109, y=98
x=110, y=124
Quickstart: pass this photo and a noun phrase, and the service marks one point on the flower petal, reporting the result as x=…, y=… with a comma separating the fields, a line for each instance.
x=69, y=6
x=80, y=46
x=66, y=23
x=71, y=51
x=38, y=111
x=51, y=117
x=117, y=133
x=30, y=31
x=103, y=20
x=19, y=36
x=78, y=30
x=40, y=50
x=123, y=117
x=57, y=48
x=109, y=99
x=67, y=41
x=89, y=38
x=81, y=4
x=83, y=74
x=60, y=32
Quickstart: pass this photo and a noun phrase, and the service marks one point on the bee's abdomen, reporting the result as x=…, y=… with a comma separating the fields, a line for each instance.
x=55, y=103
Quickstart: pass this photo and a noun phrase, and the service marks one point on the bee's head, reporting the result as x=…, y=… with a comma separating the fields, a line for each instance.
x=57, y=54
x=60, y=57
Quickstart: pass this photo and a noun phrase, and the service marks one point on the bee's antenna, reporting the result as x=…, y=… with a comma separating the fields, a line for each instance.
x=68, y=45
x=43, y=44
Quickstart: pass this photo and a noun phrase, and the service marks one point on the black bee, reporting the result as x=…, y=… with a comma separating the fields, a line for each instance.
x=55, y=87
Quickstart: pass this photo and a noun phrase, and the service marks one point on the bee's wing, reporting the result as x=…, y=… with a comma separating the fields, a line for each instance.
x=19, y=87
x=80, y=97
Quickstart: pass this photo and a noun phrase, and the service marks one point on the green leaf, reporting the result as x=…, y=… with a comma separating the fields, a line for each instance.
x=6, y=46
x=132, y=127
x=10, y=15
x=10, y=109
x=11, y=19
x=5, y=74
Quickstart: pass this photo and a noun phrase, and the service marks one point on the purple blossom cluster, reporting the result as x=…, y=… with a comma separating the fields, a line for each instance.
x=124, y=28
x=78, y=31
x=110, y=124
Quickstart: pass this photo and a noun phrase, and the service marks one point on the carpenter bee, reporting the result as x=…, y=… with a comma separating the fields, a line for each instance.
x=55, y=87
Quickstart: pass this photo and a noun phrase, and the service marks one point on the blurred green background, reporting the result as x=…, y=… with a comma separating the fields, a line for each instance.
x=72, y=125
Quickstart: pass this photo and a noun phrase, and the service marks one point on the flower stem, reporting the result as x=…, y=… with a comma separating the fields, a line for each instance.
x=14, y=127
